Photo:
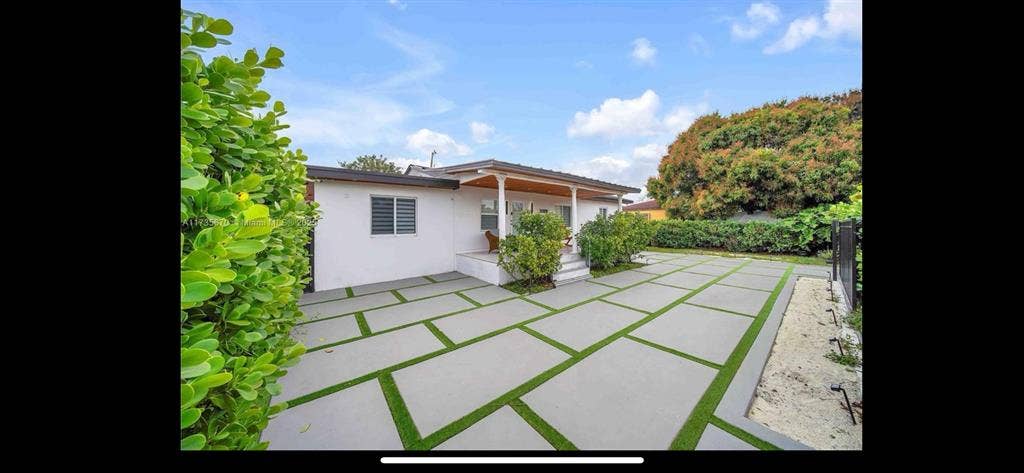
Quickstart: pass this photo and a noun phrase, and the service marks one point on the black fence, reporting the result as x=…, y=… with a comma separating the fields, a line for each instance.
x=845, y=241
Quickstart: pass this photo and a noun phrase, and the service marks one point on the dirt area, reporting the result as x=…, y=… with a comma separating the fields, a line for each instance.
x=793, y=396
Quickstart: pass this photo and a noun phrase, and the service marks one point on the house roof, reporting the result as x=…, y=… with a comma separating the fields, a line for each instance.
x=645, y=205
x=449, y=171
x=342, y=174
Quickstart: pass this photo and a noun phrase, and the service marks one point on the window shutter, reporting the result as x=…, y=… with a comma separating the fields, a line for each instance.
x=405, y=216
x=382, y=218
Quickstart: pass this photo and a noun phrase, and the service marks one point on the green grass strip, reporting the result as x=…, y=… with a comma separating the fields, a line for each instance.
x=692, y=430
x=554, y=437
x=809, y=260
x=471, y=301
x=550, y=341
x=348, y=292
x=439, y=334
x=742, y=434
x=744, y=287
x=428, y=278
x=719, y=309
x=364, y=328
x=407, y=430
x=624, y=306
x=399, y=296
x=678, y=353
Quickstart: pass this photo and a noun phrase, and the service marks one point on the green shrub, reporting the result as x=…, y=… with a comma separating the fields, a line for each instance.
x=244, y=228
x=752, y=237
x=533, y=251
x=607, y=241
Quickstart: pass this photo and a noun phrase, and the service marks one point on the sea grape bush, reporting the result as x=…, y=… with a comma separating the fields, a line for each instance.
x=244, y=227
x=532, y=251
x=607, y=241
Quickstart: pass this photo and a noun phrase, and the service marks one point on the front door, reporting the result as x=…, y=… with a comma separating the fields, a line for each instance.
x=515, y=209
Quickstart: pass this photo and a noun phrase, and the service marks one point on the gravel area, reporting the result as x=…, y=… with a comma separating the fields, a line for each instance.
x=793, y=396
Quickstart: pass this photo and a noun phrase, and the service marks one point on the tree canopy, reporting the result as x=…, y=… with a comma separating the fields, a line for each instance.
x=371, y=162
x=781, y=157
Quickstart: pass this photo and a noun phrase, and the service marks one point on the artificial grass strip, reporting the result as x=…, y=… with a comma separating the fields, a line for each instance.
x=407, y=430
x=614, y=269
x=744, y=287
x=364, y=328
x=550, y=341
x=544, y=306
x=810, y=260
x=678, y=353
x=399, y=296
x=471, y=301
x=439, y=334
x=742, y=434
x=624, y=306
x=694, y=426
x=428, y=278
x=348, y=292
x=719, y=309
x=554, y=437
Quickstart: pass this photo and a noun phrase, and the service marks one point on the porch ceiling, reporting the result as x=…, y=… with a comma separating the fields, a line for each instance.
x=521, y=185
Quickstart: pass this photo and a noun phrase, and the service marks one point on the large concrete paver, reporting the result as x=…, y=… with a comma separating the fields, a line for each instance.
x=419, y=292
x=356, y=418
x=705, y=268
x=626, y=396
x=760, y=263
x=718, y=439
x=658, y=268
x=401, y=314
x=502, y=430
x=623, y=278
x=685, y=279
x=569, y=294
x=585, y=325
x=647, y=297
x=326, y=331
x=762, y=271
x=727, y=262
x=707, y=334
x=443, y=389
x=751, y=281
x=389, y=285
x=489, y=294
x=472, y=324
x=322, y=296
x=447, y=276
x=685, y=261
x=320, y=369
x=813, y=271
x=736, y=299
x=348, y=306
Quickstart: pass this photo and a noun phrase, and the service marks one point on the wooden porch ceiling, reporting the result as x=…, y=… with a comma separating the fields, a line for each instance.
x=520, y=185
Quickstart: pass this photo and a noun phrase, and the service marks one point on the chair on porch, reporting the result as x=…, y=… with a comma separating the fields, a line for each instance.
x=492, y=241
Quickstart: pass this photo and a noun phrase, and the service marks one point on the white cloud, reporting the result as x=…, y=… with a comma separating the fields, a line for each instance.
x=760, y=16
x=403, y=163
x=643, y=52
x=424, y=141
x=842, y=19
x=649, y=152
x=397, y=4
x=699, y=45
x=631, y=172
x=482, y=132
x=617, y=117
x=681, y=117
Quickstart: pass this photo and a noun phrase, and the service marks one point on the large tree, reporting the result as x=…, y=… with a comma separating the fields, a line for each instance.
x=781, y=157
x=371, y=162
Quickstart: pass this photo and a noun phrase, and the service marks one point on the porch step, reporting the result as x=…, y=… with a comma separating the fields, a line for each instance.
x=576, y=264
x=567, y=274
x=568, y=257
x=572, y=280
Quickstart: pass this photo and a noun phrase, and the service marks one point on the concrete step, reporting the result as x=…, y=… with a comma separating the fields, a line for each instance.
x=569, y=274
x=567, y=257
x=577, y=264
x=572, y=280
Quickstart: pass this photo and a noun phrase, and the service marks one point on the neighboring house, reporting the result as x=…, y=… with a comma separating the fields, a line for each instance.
x=379, y=227
x=648, y=208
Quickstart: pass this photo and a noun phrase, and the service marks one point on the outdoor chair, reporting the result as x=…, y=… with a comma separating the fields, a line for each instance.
x=492, y=241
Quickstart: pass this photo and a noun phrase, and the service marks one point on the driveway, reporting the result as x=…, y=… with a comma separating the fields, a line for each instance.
x=653, y=358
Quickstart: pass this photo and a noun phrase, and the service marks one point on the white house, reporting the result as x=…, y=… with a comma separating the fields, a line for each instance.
x=379, y=227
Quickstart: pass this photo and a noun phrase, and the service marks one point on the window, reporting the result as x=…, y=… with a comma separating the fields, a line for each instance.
x=646, y=215
x=566, y=211
x=489, y=215
x=392, y=216
x=603, y=211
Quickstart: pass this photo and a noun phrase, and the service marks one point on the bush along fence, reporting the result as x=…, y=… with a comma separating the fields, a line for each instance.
x=244, y=228
x=846, y=260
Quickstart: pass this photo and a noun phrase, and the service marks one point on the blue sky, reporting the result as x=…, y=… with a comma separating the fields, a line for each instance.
x=593, y=88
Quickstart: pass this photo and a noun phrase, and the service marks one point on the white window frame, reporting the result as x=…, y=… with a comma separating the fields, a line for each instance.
x=603, y=211
x=482, y=230
x=394, y=216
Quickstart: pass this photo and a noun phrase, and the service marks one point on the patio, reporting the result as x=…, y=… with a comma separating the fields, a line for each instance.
x=655, y=358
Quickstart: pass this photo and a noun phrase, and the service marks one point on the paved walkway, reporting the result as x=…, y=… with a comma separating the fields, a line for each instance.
x=640, y=359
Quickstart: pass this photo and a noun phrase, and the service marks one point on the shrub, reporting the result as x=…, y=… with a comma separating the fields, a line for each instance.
x=533, y=251
x=753, y=237
x=244, y=228
x=607, y=241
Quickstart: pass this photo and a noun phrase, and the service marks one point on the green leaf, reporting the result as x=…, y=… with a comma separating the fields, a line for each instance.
x=278, y=106
x=195, y=370
x=253, y=336
x=271, y=63
x=185, y=41
x=243, y=248
x=186, y=394
x=212, y=380
x=190, y=416
x=197, y=259
x=194, y=183
x=203, y=39
x=247, y=393
x=193, y=276
x=208, y=344
x=254, y=228
x=256, y=211
x=259, y=96
x=191, y=93
x=221, y=27
x=220, y=274
x=198, y=291
x=274, y=389
x=251, y=58
x=193, y=442
x=194, y=356
x=274, y=52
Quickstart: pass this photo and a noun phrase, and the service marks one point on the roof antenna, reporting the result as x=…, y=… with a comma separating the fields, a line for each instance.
x=432, y=153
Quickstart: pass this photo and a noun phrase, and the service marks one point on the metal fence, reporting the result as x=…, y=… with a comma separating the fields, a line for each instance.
x=845, y=240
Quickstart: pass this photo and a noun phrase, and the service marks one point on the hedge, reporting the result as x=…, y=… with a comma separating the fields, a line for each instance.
x=244, y=227
x=750, y=237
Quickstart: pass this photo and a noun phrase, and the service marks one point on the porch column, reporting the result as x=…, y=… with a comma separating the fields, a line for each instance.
x=501, y=206
x=620, y=202
x=575, y=222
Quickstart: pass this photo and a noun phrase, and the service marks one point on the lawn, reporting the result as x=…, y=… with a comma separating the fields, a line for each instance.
x=765, y=256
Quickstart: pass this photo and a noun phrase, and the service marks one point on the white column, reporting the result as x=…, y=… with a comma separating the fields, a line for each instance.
x=620, y=202
x=501, y=206
x=575, y=222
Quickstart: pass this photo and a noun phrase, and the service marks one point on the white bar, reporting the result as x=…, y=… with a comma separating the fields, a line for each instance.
x=405, y=460
x=502, y=231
